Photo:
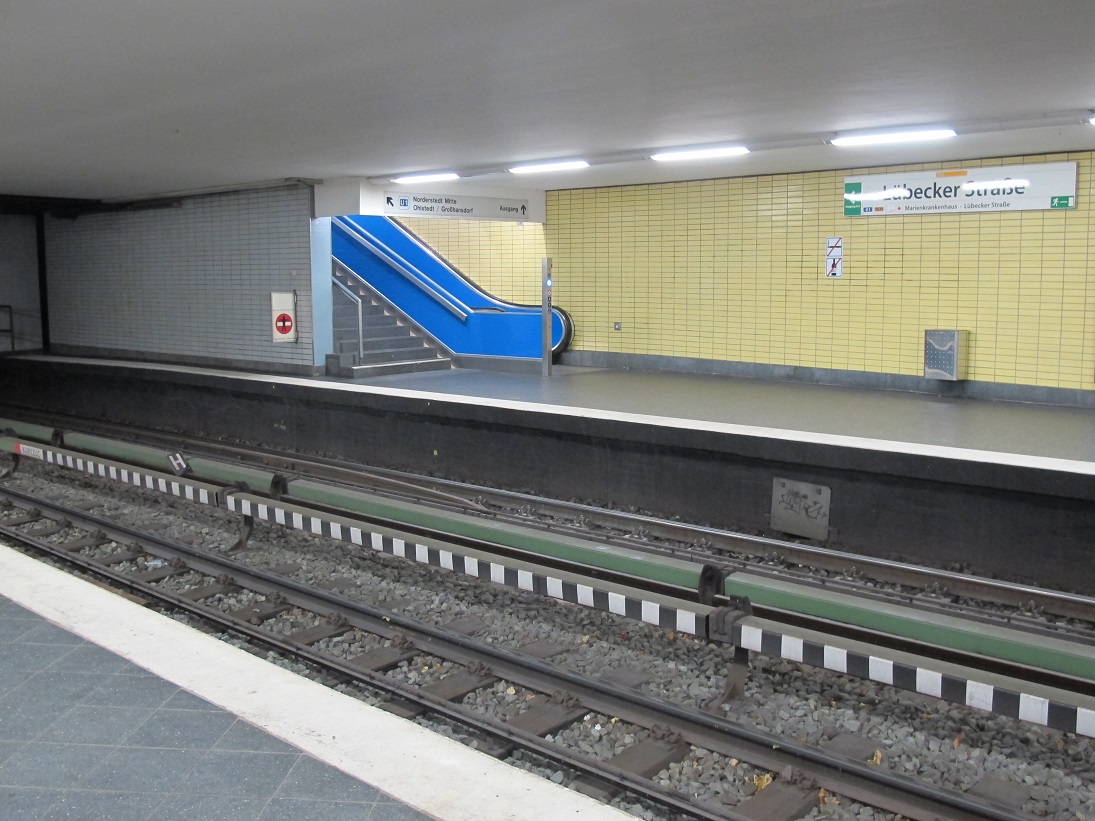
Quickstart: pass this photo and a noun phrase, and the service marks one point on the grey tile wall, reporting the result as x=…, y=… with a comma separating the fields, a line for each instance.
x=19, y=282
x=186, y=281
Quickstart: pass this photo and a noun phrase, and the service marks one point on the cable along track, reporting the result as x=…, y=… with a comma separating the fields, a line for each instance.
x=559, y=696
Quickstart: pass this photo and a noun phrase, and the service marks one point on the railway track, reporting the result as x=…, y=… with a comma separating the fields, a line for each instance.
x=154, y=568
x=989, y=671
x=930, y=589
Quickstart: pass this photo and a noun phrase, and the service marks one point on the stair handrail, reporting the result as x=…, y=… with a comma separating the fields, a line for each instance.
x=360, y=324
x=392, y=309
x=408, y=270
x=10, y=330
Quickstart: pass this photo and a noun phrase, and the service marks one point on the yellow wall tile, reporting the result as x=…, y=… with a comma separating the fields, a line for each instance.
x=733, y=269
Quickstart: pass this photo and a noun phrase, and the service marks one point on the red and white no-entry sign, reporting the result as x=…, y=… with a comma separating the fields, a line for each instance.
x=283, y=316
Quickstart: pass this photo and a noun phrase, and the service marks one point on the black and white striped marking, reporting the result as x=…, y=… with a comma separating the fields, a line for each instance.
x=651, y=612
x=982, y=696
x=988, y=697
x=152, y=480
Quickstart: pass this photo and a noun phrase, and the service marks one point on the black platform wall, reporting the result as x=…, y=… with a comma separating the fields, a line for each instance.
x=1031, y=524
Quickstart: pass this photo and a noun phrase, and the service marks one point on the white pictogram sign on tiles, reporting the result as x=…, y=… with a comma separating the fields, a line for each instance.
x=834, y=257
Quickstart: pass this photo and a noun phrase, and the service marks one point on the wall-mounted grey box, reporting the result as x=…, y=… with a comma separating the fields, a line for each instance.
x=945, y=354
x=801, y=508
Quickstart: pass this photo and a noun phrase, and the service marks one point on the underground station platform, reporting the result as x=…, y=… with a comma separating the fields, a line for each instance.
x=999, y=488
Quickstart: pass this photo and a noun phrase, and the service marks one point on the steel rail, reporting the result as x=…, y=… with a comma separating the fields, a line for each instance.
x=972, y=661
x=845, y=776
x=708, y=543
x=1012, y=669
x=378, y=624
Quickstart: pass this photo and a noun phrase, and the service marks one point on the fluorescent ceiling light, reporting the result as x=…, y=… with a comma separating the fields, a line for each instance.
x=894, y=137
x=442, y=177
x=700, y=153
x=566, y=165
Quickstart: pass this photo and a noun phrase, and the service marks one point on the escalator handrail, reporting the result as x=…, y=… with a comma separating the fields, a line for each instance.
x=409, y=271
x=437, y=292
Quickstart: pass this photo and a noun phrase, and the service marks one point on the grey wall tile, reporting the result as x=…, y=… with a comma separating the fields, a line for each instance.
x=190, y=281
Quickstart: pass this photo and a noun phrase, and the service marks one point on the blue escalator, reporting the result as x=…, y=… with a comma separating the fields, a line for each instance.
x=439, y=299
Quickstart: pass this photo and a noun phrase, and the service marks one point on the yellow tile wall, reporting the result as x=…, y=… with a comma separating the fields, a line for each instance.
x=503, y=258
x=732, y=269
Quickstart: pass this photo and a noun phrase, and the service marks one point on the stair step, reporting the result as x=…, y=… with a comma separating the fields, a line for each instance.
x=366, y=323
x=387, y=345
x=389, y=368
x=377, y=339
x=395, y=355
x=406, y=344
x=382, y=331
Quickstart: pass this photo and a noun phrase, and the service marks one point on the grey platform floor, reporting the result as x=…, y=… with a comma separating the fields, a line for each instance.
x=884, y=416
x=87, y=736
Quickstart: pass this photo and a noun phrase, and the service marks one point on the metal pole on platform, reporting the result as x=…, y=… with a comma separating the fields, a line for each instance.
x=545, y=348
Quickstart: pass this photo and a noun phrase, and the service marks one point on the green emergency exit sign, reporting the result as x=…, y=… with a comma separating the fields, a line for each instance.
x=853, y=206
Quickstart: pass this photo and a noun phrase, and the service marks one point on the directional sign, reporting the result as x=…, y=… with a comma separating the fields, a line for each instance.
x=454, y=206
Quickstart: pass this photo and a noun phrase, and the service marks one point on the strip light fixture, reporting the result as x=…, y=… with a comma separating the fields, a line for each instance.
x=444, y=176
x=699, y=153
x=714, y=152
x=890, y=137
x=537, y=168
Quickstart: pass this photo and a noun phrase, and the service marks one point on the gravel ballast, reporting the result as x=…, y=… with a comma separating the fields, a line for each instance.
x=944, y=744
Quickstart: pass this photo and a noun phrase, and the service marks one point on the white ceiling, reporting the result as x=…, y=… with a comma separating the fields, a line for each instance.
x=129, y=98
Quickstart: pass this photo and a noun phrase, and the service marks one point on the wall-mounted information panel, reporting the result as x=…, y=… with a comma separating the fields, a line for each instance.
x=962, y=190
x=453, y=206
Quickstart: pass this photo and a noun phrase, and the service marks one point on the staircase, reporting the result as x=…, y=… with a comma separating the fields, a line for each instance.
x=390, y=343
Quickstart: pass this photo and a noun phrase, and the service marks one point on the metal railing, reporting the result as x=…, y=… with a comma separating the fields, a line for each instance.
x=10, y=329
x=360, y=325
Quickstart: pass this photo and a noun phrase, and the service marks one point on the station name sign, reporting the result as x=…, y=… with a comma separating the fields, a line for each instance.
x=454, y=206
x=962, y=190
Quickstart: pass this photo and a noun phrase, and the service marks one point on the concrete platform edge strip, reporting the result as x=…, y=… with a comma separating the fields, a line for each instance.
x=420, y=768
x=991, y=698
